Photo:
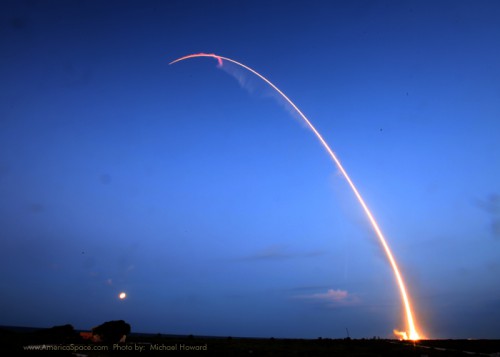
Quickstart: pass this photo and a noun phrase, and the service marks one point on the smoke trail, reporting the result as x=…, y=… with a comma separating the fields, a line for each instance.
x=240, y=75
x=412, y=333
x=248, y=83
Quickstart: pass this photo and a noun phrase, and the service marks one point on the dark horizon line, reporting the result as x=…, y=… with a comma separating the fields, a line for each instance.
x=28, y=329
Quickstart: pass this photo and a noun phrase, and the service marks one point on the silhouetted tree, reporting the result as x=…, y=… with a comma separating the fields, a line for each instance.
x=111, y=331
x=57, y=334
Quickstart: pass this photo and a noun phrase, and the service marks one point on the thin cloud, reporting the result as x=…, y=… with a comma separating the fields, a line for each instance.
x=491, y=205
x=279, y=252
x=274, y=252
x=332, y=298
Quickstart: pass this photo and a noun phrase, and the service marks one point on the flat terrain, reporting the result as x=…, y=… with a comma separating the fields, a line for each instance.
x=37, y=343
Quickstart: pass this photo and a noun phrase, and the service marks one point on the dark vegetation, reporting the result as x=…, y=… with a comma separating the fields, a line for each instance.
x=111, y=332
x=13, y=342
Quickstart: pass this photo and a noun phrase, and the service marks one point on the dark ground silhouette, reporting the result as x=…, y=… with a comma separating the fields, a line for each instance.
x=16, y=341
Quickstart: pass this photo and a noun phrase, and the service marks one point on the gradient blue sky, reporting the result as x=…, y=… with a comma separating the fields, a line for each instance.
x=211, y=204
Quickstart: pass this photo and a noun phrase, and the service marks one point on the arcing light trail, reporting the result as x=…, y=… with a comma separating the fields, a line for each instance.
x=412, y=333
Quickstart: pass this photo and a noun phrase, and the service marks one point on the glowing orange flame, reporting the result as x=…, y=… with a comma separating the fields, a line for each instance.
x=400, y=334
x=412, y=334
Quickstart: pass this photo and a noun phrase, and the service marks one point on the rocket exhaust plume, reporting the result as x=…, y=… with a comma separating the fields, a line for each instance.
x=412, y=333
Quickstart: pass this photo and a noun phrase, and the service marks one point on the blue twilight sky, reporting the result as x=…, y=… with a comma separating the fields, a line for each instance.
x=201, y=195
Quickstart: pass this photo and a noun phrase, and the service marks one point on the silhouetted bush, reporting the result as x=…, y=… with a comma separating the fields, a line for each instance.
x=57, y=334
x=111, y=332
